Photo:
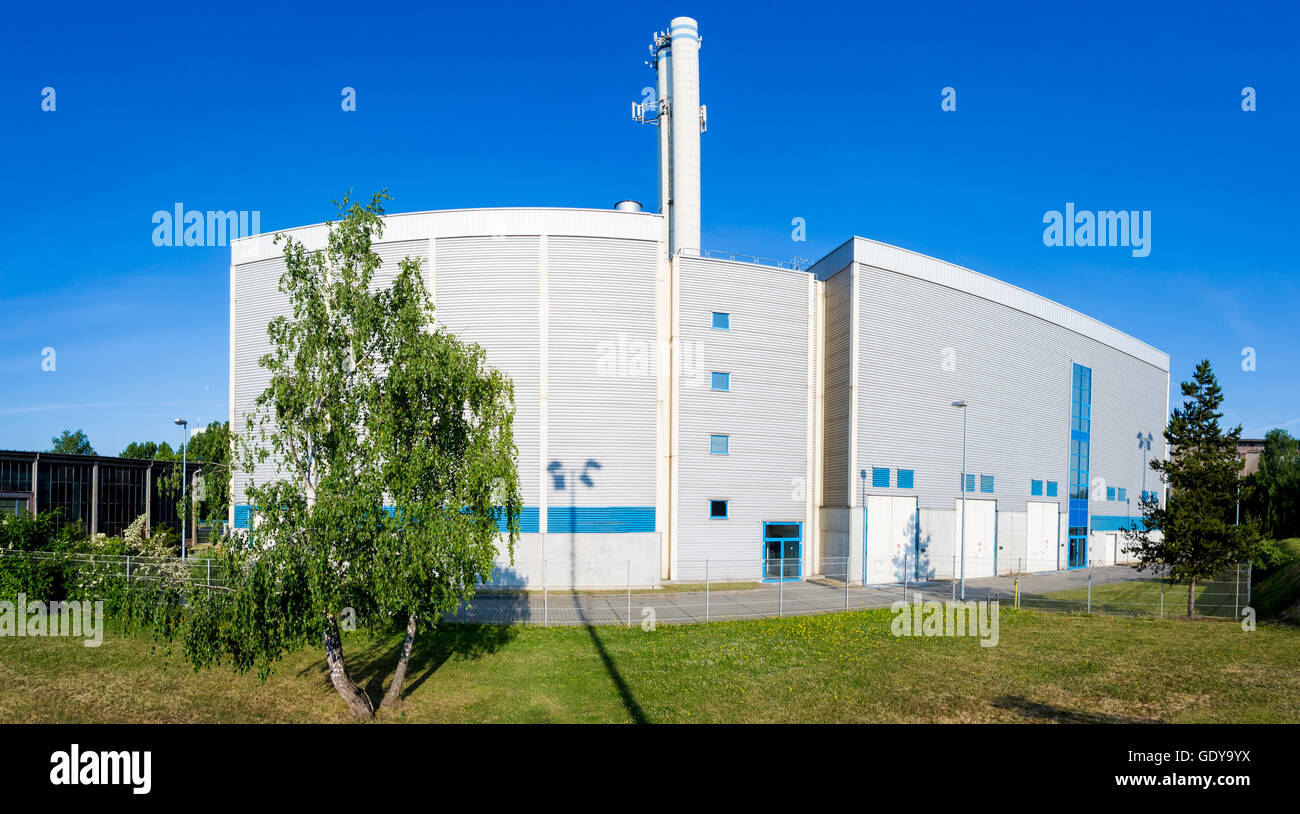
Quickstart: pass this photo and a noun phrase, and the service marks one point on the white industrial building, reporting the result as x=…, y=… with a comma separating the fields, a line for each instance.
x=677, y=413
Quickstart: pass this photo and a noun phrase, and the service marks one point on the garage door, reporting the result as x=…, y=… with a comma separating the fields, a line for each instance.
x=1043, y=537
x=981, y=536
x=891, y=538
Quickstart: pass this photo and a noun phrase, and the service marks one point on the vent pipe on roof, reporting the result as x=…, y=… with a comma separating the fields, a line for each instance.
x=628, y=206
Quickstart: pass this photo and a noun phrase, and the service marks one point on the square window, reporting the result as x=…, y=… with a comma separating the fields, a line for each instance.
x=721, y=380
x=1051, y=488
x=719, y=444
x=718, y=509
x=905, y=479
x=879, y=477
x=1036, y=488
x=1121, y=495
x=721, y=321
x=986, y=483
x=1110, y=492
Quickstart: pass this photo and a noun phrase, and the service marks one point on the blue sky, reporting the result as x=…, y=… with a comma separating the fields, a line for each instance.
x=830, y=113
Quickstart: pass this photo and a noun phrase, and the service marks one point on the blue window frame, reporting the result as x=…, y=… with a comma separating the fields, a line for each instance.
x=1110, y=492
x=718, y=509
x=1121, y=494
x=1051, y=488
x=721, y=380
x=1036, y=488
x=986, y=483
x=1080, y=443
x=905, y=479
x=879, y=477
x=719, y=444
x=781, y=551
x=721, y=321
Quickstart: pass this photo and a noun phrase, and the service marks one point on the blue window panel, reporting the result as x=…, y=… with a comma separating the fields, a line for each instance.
x=879, y=477
x=721, y=321
x=719, y=444
x=1110, y=492
x=1121, y=494
x=243, y=516
x=1102, y=522
x=1036, y=488
x=718, y=509
x=721, y=380
x=1051, y=488
x=986, y=483
x=905, y=479
x=599, y=519
x=970, y=482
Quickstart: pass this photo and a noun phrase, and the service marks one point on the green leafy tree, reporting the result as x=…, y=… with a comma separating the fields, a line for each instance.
x=1194, y=536
x=395, y=460
x=149, y=451
x=72, y=443
x=1274, y=491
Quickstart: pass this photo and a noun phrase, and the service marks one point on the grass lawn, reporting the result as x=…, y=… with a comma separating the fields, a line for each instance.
x=832, y=668
x=1142, y=596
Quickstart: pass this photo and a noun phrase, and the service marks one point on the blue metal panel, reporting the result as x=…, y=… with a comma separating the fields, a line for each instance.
x=1105, y=522
x=905, y=478
x=879, y=477
x=721, y=380
x=1036, y=488
x=721, y=321
x=986, y=483
x=243, y=517
x=599, y=519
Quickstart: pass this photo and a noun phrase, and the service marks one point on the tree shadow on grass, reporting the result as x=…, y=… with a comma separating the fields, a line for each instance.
x=1060, y=715
x=371, y=664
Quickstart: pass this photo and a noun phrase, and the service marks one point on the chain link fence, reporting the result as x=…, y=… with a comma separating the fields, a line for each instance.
x=1147, y=593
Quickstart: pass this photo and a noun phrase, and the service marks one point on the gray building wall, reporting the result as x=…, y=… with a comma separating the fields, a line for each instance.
x=765, y=475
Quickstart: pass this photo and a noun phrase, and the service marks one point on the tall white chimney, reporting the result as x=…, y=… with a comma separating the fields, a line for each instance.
x=685, y=123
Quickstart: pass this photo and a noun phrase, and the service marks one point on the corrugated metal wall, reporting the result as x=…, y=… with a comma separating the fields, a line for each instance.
x=764, y=475
x=837, y=383
x=487, y=293
x=924, y=345
x=602, y=348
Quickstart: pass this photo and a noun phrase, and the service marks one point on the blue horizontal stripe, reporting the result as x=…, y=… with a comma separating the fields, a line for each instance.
x=1110, y=522
x=599, y=519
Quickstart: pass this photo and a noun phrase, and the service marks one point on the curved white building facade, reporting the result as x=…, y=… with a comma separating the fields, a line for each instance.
x=679, y=415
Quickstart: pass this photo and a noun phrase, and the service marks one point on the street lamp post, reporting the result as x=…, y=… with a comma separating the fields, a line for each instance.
x=185, y=435
x=1144, y=446
x=962, y=406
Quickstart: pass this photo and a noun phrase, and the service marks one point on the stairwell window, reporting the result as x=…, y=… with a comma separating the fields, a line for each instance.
x=718, y=509
x=721, y=380
x=719, y=444
x=721, y=321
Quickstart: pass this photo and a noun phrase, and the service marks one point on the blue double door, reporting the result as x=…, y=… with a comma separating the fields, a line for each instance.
x=782, y=551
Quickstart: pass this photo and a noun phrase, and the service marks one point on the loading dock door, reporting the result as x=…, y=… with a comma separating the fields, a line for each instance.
x=891, y=538
x=1043, y=537
x=981, y=536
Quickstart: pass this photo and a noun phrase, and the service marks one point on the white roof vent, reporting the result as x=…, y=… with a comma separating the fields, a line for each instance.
x=628, y=206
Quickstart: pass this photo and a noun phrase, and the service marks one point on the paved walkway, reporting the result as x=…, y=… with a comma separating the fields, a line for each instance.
x=564, y=607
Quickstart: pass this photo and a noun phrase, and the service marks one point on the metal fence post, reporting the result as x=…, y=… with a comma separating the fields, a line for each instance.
x=1089, y=586
x=1250, y=572
x=128, y=567
x=1236, y=595
x=209, y=573
x=629, y=593
x=1162, y=592
x=846, y=583
x=706, y=589
x=780, y=590
x=546, y=598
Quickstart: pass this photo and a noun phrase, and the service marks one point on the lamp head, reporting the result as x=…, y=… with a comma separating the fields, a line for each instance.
x=180, y=422
x=961, y=404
